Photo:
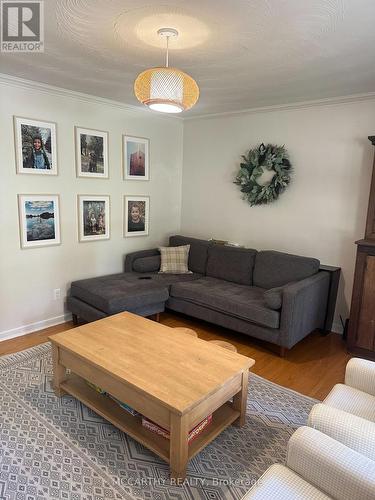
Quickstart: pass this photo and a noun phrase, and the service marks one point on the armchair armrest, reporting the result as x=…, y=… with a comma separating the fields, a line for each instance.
x=330, y=466
x=131, y=257
x=355, y=432
x=360, y=374
x=304, y=308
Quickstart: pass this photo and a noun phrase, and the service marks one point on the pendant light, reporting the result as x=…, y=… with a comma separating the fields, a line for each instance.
x=166, y=89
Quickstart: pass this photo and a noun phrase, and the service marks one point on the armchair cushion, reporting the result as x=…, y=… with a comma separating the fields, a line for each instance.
x=281, y=483
x=352, y=431
x=346, y=398
x=360, y=373
x=335, y=469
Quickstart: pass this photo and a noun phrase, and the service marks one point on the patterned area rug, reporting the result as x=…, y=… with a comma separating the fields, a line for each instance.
x=58, y=448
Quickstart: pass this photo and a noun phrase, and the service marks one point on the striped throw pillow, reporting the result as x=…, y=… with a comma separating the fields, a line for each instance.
x=174, y=260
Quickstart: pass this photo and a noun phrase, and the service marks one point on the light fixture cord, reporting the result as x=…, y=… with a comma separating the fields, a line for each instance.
x=167, y=56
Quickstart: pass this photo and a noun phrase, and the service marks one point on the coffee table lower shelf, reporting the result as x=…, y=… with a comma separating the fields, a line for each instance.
x=111, y=411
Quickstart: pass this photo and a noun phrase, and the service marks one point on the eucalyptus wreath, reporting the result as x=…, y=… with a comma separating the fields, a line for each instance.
x=255, y=163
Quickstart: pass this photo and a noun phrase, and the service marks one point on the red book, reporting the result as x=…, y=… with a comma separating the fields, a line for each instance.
x=194, y=433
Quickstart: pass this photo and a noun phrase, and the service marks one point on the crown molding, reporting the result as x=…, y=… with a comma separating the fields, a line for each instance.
x=6, y=79
x=329, y=101
x=45, y=88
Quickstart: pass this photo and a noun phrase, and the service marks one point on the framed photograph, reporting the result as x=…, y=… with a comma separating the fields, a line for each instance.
x=91, y=153
x=39, y=218
x=93, y=217
x=136, y=215
x=35, y=143
x=136, y=162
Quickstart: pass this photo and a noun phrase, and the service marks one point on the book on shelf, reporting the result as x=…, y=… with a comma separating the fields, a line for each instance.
x=125, y=406
x=193, y=434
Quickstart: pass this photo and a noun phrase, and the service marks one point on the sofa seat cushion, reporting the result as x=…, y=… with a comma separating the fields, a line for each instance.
x=231, y=264
x=241, y=301
x=281, y=483
x=125, y=291
x=273, y=269
x=352, y=400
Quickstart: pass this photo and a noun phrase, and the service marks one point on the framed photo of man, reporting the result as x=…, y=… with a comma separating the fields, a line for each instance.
x=93, y=217
x=35, y=143
x=136, y=215
x=39, y=218
x=91, y=153
x=136, y=162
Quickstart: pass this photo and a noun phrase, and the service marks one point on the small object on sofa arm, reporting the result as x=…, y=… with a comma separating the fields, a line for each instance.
x=147, y=264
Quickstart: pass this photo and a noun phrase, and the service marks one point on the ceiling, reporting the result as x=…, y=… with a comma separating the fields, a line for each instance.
x=242, y=53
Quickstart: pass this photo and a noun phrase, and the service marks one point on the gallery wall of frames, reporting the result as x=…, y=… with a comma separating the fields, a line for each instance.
x=39, y=214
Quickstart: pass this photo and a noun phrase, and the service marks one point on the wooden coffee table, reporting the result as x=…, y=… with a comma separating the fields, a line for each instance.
x=174, y=380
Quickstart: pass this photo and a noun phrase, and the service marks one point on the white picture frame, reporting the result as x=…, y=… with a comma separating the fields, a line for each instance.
x=135, y=158
x=35, y=146
x=94, y=217
x=91, y=148
x=134, y=228
x=39, y=220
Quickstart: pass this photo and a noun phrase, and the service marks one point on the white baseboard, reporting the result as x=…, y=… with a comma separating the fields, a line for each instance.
x=33, y=327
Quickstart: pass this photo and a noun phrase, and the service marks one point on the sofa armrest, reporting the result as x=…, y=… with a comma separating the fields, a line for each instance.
x=131, y=257
x=304, y=308
x=352, y=431
x=360, y=374
x=330, y=466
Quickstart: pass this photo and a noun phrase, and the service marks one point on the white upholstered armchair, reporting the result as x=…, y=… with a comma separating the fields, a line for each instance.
x=317, y=468
x=335, y=456
x=348, y=412
x=357, y=395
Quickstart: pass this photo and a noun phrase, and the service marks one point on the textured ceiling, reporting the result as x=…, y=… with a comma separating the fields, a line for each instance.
x=243, y=53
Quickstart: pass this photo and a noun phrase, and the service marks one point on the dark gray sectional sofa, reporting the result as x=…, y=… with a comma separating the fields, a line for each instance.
x=270, y=295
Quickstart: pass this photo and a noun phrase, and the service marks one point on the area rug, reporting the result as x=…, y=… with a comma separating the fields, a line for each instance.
x=58, y=448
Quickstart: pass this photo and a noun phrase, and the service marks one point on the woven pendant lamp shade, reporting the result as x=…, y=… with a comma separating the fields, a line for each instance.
x=166, y=89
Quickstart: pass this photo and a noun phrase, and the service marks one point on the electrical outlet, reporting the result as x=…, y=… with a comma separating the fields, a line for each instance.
x=57, y=294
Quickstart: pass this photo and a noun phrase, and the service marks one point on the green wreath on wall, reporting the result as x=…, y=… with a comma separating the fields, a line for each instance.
x=260, y=163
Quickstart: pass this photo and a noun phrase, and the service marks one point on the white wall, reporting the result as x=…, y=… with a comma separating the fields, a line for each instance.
x=29, y=276
x=323, y=211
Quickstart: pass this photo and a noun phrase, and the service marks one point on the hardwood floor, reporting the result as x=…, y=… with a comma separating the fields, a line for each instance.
x=312, y=367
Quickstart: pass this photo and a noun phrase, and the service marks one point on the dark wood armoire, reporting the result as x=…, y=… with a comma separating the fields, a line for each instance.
x=361, y=333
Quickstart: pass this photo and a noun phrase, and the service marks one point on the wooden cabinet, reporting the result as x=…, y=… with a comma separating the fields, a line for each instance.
x=361, y=333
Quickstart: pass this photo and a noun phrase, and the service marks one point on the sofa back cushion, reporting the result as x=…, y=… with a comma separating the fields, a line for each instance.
x=147, y=264
x=273, y=269
x=198, y=252
x=231, y=264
